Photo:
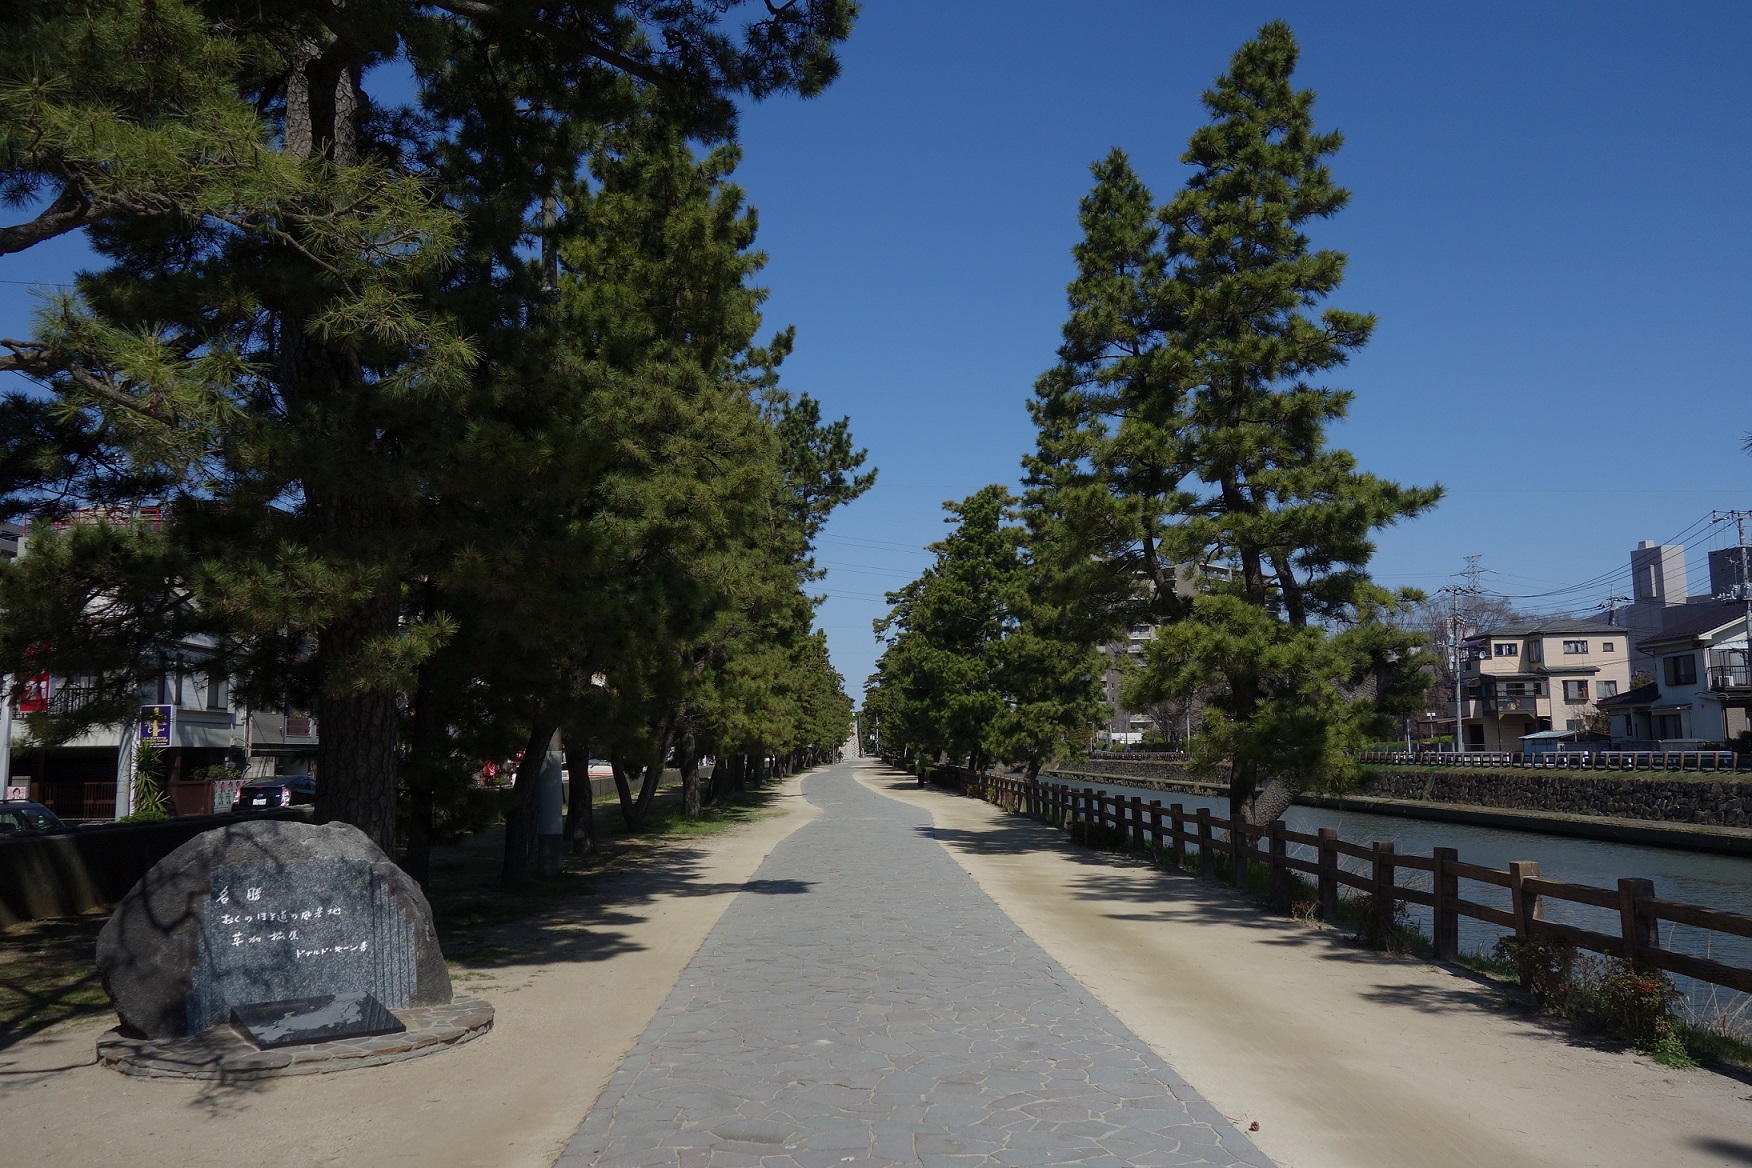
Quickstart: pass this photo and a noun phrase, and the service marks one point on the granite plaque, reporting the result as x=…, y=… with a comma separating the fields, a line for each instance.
x=267, y=911
x=283, y=930
x=319, y=1019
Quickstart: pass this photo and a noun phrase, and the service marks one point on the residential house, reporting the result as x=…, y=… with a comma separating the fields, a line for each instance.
x=1522, y=679
x=1702, y=687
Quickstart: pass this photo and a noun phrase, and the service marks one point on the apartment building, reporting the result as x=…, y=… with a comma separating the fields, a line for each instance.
x=1523, y=679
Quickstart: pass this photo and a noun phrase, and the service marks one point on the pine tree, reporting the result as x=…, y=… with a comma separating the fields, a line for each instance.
x=1182, y=474
x=292, y=334
x=1296, y=641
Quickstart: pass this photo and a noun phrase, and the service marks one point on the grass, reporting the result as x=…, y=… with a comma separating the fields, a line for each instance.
x=46, y=974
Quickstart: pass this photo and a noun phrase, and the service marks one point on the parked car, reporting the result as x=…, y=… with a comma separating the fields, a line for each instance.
x=19, y=818
x=280, y=791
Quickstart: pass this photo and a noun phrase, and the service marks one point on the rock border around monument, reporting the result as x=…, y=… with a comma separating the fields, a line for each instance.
x=223, y=1053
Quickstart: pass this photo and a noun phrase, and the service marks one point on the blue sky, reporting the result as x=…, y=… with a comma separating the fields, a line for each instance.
x=1549, y=216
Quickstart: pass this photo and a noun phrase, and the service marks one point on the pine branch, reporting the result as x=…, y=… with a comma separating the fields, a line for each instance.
x=576, y=41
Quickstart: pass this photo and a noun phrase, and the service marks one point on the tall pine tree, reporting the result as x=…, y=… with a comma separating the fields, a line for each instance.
x=1185, y=423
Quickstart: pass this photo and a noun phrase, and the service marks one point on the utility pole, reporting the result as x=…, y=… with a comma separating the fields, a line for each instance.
x=1610, y=604
x=1471, y=590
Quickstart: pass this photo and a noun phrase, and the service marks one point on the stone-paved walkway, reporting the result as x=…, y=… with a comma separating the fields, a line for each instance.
x=864, y=1003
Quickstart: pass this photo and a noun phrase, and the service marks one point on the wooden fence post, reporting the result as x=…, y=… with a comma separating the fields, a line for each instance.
x=1278, y=881
x=1177, y=834
x=1240, y=852
x=1446, y=888
x=1526, y=906
x=1328, y=875
x=1382, y=890
x=1638, y=934
x=1155, y=833
x=1207, y=860
x=1137, y=823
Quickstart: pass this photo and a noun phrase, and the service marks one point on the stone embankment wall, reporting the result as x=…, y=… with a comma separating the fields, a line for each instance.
x=1656, y=797
x=1666, y=799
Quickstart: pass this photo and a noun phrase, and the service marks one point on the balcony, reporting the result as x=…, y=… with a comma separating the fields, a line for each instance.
x=1497, y=707
x=1729, y=677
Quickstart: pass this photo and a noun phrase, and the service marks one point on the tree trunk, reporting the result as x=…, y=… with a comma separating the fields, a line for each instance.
x=720, y=780
x=581, y=807
x=624, y=789
x=356, y=755
x=1269, y=803
x=689, y=762
x=421, y=779
x=520, y=825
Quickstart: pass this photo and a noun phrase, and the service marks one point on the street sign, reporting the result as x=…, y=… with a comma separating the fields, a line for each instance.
x=157, y=725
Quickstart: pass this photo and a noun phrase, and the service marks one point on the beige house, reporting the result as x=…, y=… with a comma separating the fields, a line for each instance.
x=1544, y=675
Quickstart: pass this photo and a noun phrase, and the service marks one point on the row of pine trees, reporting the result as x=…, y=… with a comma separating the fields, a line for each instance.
x=1181, y=481
x=433, y=328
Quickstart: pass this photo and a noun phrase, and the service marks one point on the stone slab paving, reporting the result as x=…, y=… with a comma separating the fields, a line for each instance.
x=862, y=1002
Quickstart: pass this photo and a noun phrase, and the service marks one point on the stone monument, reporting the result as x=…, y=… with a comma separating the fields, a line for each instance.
x=277, y=933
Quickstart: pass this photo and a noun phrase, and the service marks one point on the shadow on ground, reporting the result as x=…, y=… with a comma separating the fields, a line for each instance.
x=585, y=914
x=1169, y=895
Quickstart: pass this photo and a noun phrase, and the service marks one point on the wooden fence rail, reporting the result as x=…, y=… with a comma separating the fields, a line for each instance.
x=1176, y=834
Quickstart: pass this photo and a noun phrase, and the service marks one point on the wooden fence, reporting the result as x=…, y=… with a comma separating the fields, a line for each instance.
x=1171, y=831
x=1584, y=760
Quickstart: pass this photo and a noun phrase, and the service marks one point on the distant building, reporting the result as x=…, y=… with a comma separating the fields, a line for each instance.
x=1128, y=727
x=88, y=777
x=1522, y=679
x=1659, y=591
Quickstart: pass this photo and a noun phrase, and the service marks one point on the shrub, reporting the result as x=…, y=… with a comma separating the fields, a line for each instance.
x=1639, y=1006
x=1546, y=969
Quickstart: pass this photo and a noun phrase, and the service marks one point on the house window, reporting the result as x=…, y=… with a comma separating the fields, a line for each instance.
x=1575, y=646
x=1682, y=670
x=1506, y=649
x=216, y=691
x=1515, y=689
x=1576, y=724
x=1606, y=647
x=1575, y=691
x=1608, y=689
x=1536, y=649
x=1668, y=725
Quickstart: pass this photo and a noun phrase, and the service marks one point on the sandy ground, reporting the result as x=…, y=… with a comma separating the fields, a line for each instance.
x=1346, y=1059
x=564, y=1024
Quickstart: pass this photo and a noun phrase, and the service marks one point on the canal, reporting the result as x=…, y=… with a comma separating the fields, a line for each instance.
x=1719, y=882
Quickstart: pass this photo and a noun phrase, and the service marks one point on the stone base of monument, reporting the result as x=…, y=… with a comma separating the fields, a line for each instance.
x=225, y=1051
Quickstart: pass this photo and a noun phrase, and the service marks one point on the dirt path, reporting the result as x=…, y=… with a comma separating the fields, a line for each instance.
x=1346, y=1059
x=566, y=1017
